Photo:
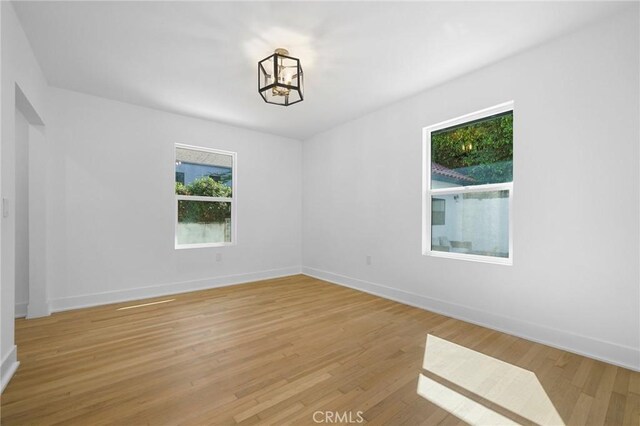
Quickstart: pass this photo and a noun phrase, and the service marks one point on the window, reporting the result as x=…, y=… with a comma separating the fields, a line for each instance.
x=205, y=197
x=468, y=186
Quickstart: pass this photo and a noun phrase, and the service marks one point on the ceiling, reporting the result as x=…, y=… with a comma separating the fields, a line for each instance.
x=199, y=58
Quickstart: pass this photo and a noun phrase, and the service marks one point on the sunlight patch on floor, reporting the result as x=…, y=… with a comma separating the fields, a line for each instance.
x=459, y=405
x=145, y=304
x=517, y=391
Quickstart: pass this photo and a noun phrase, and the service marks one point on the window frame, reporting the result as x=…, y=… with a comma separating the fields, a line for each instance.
x=428, y=193
x=232, y=200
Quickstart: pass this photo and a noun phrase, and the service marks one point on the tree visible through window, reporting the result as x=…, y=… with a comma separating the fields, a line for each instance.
x=480, y=150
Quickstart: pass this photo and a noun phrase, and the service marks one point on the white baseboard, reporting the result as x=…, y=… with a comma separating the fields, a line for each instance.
x=96, y=299
x=609, y=352
x=8, y=367
x=21, y=310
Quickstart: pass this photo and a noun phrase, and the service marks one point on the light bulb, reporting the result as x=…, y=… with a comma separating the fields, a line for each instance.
x=287, y=76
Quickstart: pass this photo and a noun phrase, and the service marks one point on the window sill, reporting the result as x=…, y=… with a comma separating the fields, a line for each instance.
x=507, y=261
x=206, y=245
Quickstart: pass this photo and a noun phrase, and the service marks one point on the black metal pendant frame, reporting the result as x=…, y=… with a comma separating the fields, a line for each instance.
x=276, y=57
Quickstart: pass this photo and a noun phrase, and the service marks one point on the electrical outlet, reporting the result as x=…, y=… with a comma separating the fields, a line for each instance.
x=368, y=260
x=218, y=257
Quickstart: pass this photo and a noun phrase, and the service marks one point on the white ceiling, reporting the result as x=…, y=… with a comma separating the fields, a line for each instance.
x=199, y=58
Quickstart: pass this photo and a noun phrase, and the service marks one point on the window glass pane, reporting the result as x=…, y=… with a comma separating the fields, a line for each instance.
x=438, y=212
x=474, y=223
x=475, y=153
x=203, y=173
x=202, y=222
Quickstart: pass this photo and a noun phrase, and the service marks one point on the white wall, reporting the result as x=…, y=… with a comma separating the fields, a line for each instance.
x=40, y=172
x=18, y=66
x=575, y=278
x=111, y=218
x=22, y=213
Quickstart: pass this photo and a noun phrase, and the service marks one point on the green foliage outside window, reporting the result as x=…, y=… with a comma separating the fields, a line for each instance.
x=482, y=150
x=203, y=212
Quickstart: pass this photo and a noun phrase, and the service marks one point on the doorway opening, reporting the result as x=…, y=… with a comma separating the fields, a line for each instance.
x=23, y=210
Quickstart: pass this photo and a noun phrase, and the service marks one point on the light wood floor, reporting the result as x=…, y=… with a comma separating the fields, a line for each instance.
x=278, y=351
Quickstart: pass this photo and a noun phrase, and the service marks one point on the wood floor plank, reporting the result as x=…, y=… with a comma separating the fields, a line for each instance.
x=281, y=351
x=632, y=410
